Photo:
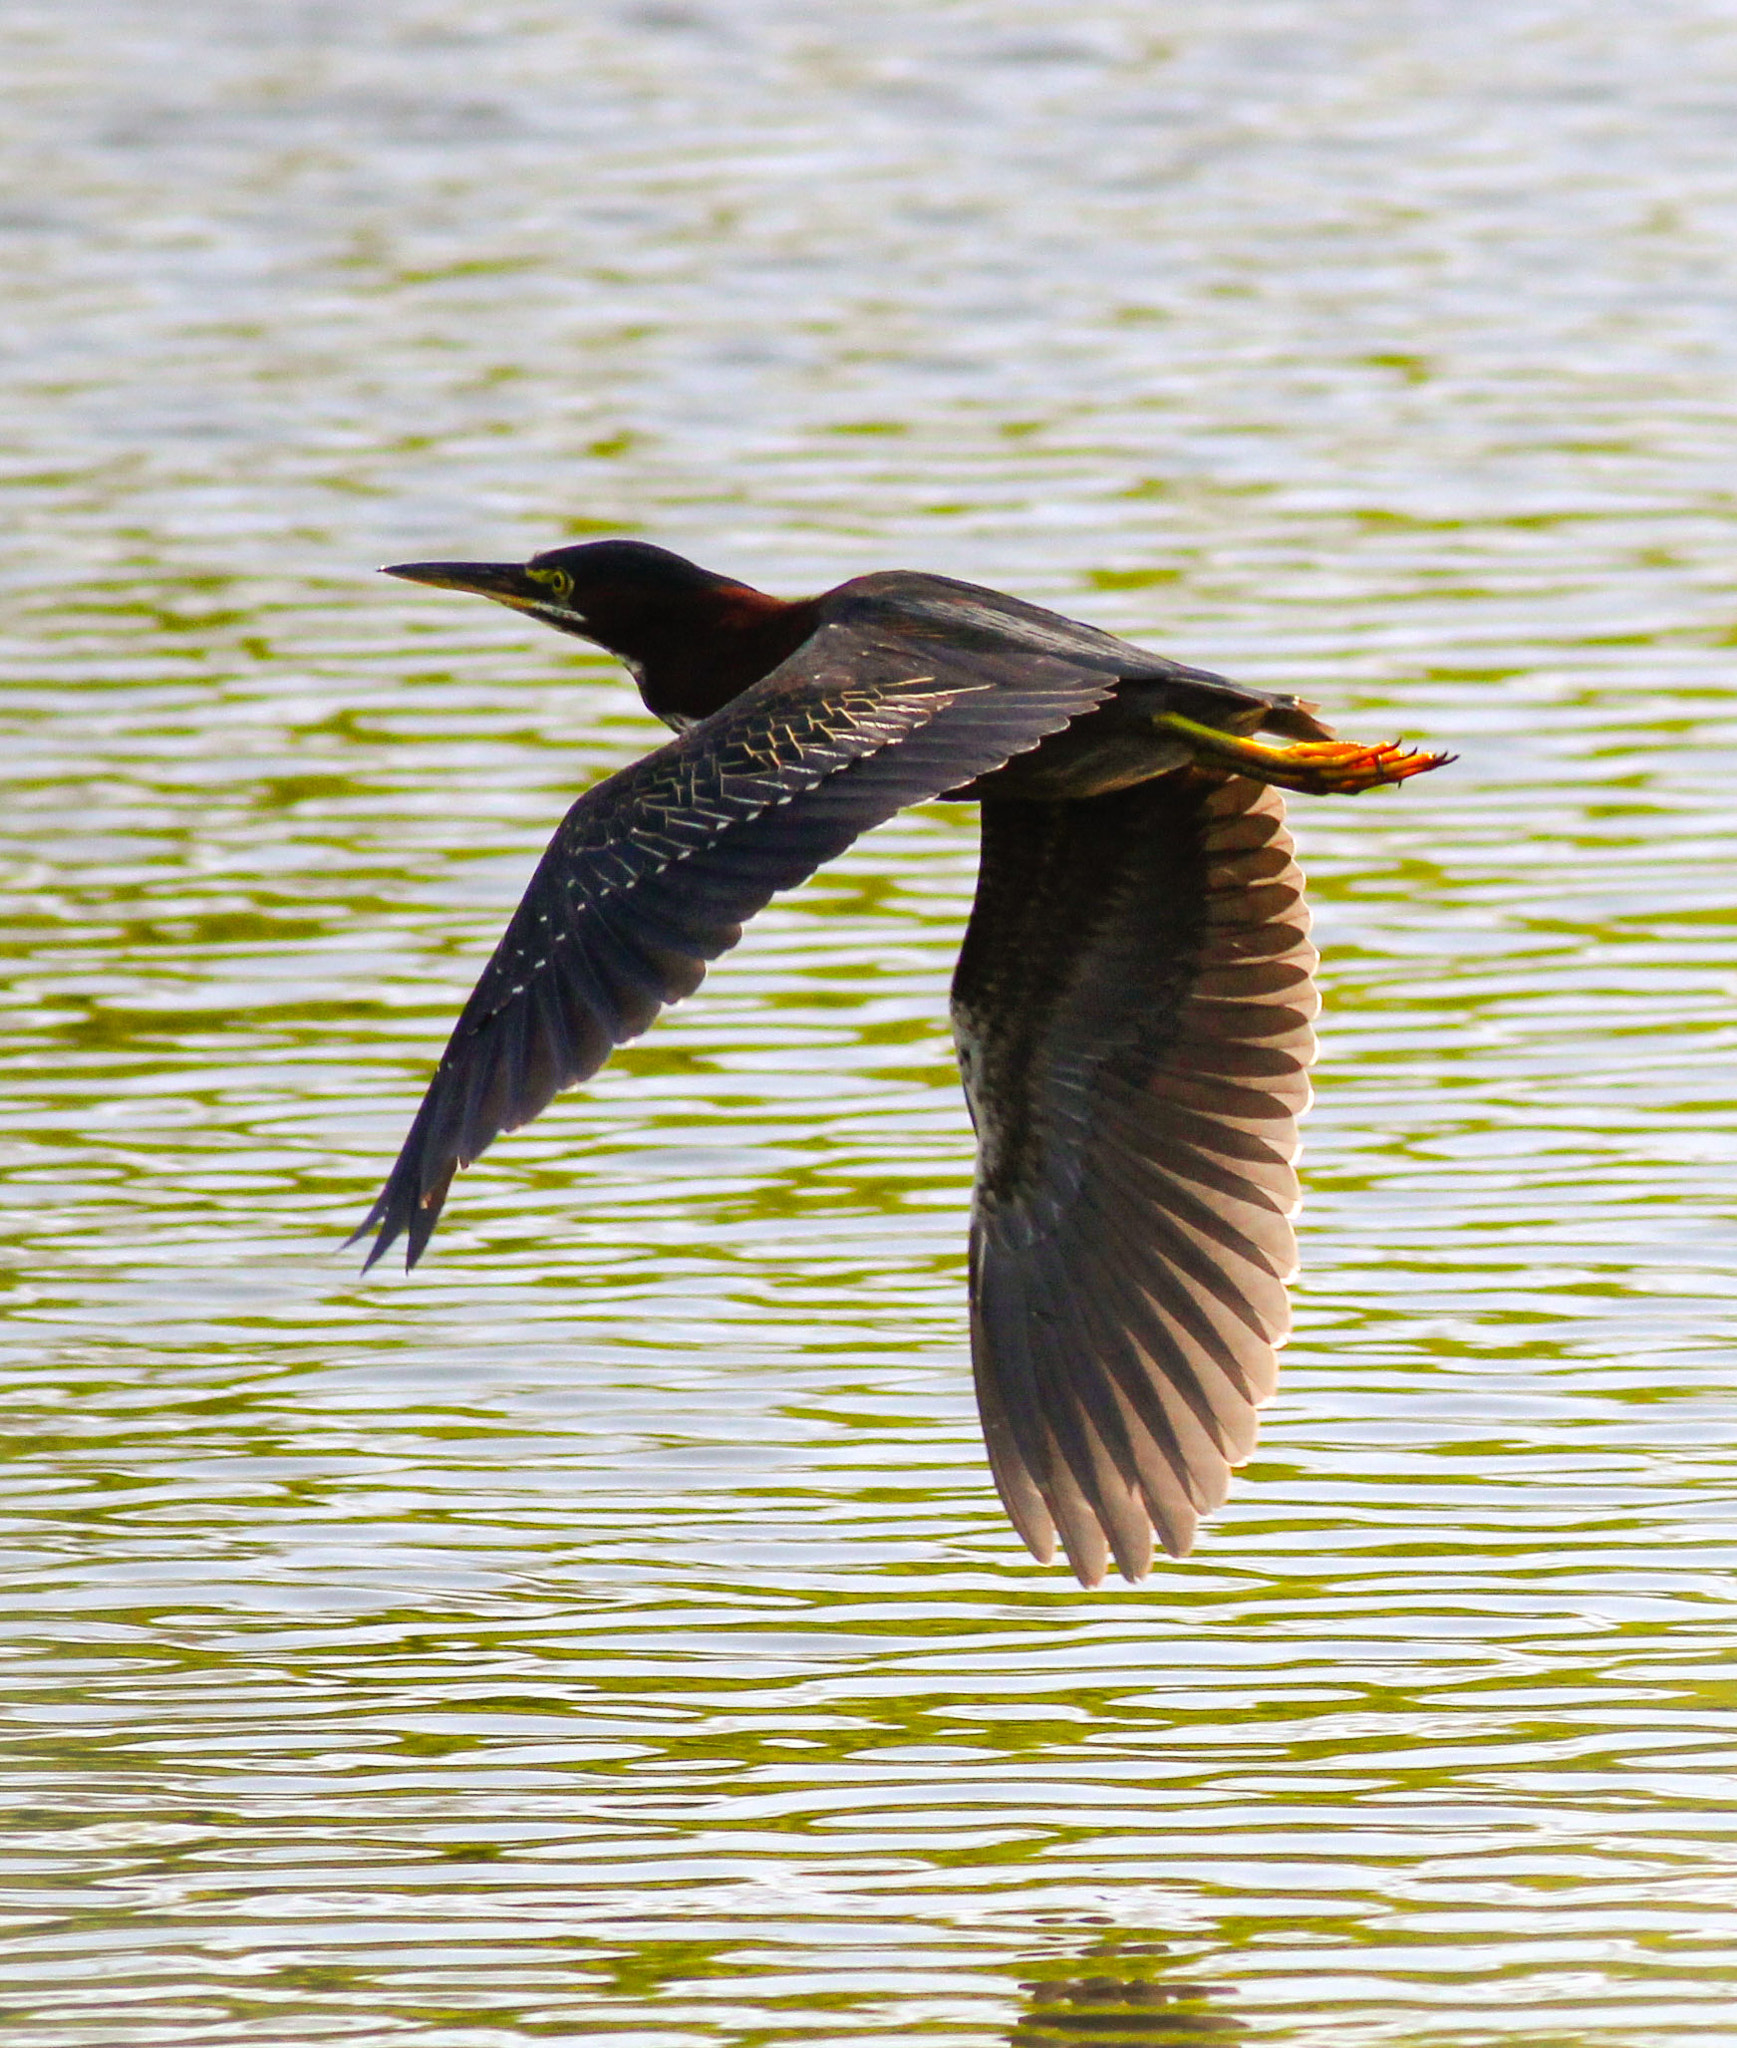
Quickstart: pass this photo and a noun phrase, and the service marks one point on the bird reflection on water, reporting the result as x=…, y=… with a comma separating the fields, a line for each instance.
x=1133, y=1004
x=1116, y=1993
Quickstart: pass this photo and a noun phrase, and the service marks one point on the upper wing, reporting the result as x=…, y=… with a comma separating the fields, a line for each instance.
x=655, y=870
x=999, y=622
x=1132, y=1008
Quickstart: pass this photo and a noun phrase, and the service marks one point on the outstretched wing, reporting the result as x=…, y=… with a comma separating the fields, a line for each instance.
x=1133, y=1012
x=654, y=871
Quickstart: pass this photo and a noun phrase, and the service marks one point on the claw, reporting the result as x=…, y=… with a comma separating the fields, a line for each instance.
x=1316, y=767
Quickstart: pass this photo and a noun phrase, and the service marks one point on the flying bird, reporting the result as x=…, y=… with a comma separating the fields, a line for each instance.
x=1132, y=1006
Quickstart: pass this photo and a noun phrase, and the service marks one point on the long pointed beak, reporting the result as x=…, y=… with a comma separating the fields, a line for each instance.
x=505, y=582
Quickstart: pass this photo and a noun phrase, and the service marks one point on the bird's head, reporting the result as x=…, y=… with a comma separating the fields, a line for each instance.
x=691, y=638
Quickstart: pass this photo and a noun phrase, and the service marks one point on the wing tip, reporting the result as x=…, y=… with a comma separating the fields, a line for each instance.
x=391, y=1228
x=394, y=1216
x=376, y=1218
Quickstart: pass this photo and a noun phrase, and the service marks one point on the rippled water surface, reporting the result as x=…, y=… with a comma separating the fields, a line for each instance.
x=610, y=1631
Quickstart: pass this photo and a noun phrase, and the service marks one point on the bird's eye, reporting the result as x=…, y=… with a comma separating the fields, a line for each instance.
x=559, y=582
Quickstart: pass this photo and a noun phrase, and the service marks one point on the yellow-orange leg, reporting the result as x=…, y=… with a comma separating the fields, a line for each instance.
x=1316, y=767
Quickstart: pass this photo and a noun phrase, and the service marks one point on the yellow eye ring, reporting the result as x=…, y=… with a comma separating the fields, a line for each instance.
x=559, y=582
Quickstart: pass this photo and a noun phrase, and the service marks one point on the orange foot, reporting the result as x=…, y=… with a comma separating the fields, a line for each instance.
x=1316, y=767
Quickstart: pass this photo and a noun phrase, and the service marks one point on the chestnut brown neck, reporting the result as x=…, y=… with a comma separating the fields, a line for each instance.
x=692, y=664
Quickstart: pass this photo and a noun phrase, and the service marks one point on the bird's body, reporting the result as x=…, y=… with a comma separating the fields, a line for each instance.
x=1132, y=1006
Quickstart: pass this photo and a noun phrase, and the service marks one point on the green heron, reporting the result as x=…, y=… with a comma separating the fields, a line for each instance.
x=1132, y=1005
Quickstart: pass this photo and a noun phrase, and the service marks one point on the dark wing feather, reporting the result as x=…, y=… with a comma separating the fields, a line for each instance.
x=1133, y=1011
x=654, y=871
x=968, y=611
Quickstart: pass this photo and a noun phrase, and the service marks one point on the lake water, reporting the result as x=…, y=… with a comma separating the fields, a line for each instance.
x=610, y=1630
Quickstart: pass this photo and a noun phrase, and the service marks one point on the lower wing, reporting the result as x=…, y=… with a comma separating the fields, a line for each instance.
x=1133, y=1010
